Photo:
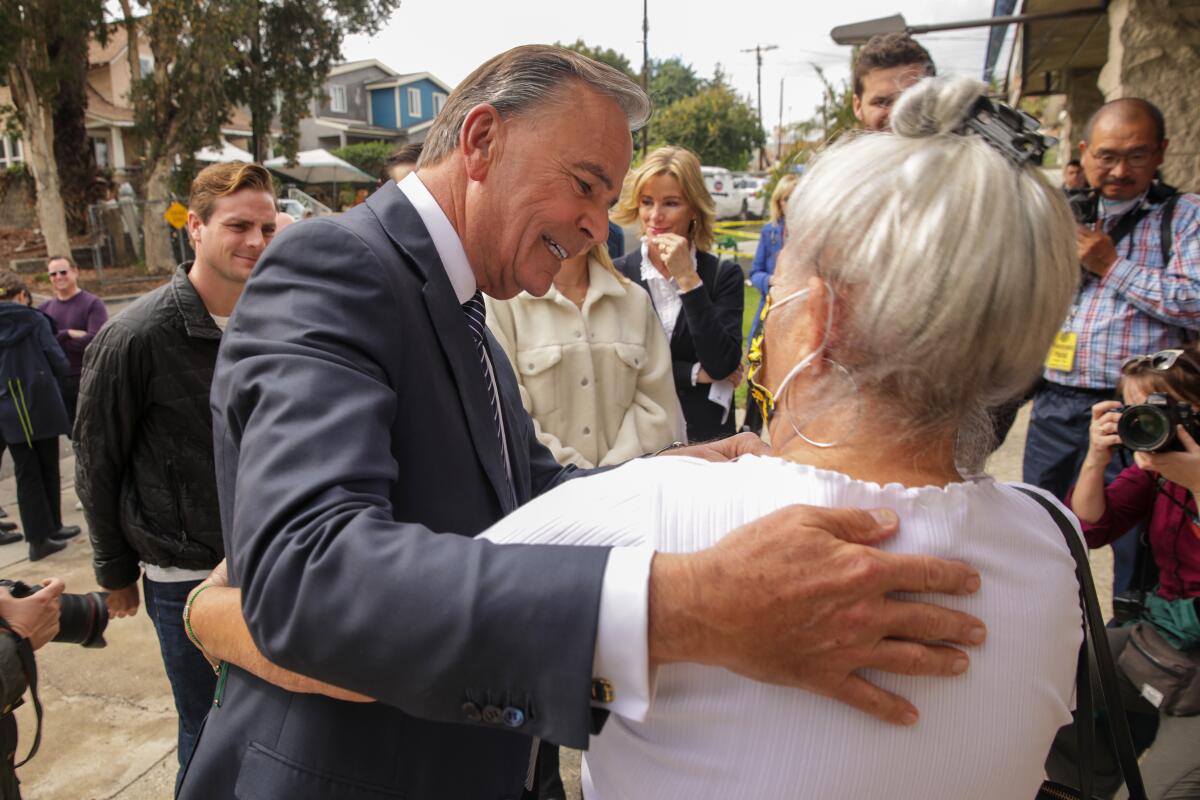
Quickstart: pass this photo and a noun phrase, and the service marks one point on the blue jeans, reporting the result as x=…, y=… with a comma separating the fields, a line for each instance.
x=1055, y=447
x=192, y=678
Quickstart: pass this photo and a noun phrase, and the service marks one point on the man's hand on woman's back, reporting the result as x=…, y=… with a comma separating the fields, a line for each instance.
x=800, y=598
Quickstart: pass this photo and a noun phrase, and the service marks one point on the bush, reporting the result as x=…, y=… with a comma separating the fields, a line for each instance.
x=368, y=156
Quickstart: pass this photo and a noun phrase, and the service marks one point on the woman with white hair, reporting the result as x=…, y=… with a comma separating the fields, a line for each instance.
x=931, y=277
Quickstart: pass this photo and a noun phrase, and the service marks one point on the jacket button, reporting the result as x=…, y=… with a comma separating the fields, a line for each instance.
x=583, y=382
x=578, y=334
x=492, y=715
x=587, y=431
x=471, y=711
x=514, y=717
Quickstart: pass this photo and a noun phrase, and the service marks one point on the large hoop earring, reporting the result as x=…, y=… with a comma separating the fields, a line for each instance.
x=781, y=402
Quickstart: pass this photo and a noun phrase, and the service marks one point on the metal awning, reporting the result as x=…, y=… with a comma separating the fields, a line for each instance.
x=1047, y=49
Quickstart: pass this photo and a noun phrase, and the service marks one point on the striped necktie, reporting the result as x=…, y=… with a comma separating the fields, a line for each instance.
x=476, y=315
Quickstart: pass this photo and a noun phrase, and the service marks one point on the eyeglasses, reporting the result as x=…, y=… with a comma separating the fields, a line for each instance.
x=754, y=358
x=1161, y=361
x=58, y=273
x=1137, y=159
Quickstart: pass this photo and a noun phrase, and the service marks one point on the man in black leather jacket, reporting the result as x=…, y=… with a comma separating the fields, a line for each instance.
x=143, y=431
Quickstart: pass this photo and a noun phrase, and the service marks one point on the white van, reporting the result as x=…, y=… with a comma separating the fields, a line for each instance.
x=719, y=182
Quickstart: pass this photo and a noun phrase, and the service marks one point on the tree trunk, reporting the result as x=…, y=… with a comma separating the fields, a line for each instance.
x=38, y=136
x=160, y=259
x=72, y=151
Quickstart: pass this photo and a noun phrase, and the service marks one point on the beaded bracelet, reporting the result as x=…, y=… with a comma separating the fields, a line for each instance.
x=187, y=624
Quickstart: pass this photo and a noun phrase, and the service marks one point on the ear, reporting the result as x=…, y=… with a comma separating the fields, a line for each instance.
x=816, y=327
x=193, y=226
x=1162, y=149
x=856, y=103
x=480, y=139
x=1082, y=148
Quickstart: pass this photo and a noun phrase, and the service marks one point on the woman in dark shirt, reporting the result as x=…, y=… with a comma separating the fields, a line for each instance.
x=698, y=298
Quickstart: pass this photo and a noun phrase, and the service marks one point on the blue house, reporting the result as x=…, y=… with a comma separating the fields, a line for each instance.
x=367, y=101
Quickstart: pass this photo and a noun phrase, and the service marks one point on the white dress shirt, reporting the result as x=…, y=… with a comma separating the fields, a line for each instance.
x=712, y=734
x=622, y=654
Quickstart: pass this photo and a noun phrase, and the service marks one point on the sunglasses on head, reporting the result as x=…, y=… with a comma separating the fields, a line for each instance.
x=1161, y=361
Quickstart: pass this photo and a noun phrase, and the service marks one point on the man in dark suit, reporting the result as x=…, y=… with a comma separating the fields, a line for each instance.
x=366, y=428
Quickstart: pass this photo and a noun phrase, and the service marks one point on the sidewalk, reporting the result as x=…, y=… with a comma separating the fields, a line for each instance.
x=109, y=731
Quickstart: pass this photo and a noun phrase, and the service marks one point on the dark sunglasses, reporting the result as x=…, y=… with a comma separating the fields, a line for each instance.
x=58, y=273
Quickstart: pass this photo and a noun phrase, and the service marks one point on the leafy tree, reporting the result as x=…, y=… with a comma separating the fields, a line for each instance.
x=39, y=60
x=284, y=57
x=367, y=156
x=181, y=105
x=605, y=55
x=672, y=80
x=835, y=115
x=721, y=128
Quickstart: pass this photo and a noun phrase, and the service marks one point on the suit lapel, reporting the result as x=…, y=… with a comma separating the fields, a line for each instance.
x=404, y=227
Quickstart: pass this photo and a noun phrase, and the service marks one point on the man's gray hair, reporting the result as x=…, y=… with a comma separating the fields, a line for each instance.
x=953, y=267
x=522, y=79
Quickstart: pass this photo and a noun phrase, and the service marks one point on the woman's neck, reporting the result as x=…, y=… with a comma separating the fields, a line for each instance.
x=866, y=451
x=572, y=280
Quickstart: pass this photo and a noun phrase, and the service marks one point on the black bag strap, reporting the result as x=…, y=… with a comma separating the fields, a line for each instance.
x=1094, y=631
x=29, y=667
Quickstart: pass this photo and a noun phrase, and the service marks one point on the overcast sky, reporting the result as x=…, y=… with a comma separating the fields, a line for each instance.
x=451, y=37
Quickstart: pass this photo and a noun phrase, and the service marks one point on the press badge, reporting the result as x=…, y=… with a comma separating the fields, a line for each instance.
x=1062, y=353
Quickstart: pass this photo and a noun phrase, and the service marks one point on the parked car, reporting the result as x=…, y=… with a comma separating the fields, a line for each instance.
x=754, y=200
x=719, y=182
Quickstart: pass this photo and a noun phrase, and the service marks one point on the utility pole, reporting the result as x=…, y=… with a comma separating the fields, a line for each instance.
x=779, y=136
x=758, y=50
x=645, y=70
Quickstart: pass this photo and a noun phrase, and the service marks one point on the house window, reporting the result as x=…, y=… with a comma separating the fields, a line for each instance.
x=147, y=65
x=100, y=148
x=10, y=151
x=337, y=99
x=439, y=102
x=414, y=102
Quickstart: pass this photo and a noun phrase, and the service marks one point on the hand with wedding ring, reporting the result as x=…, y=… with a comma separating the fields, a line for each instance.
x=675, y=260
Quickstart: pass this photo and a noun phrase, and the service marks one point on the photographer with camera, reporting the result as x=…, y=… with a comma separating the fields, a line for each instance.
x=1138, y=242
x=32, y=619
x=1158, y=647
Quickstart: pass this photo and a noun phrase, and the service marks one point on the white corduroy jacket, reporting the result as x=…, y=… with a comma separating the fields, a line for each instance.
x=597, y=379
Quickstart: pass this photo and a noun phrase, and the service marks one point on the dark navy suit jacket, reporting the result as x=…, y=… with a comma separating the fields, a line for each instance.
x=356, y=456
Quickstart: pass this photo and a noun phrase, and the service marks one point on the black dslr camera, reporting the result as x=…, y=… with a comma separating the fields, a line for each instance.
x=82, y=618
x=1085, y=205
x=1150, y=427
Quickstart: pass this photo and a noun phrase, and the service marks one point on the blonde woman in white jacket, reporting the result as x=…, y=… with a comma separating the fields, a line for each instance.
x=593, y=364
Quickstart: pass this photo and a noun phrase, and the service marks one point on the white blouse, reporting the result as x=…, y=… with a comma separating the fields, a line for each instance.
x=712, y=734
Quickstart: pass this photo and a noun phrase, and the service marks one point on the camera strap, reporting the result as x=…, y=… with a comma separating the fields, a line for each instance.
x=1101, y=657
x=29, y=667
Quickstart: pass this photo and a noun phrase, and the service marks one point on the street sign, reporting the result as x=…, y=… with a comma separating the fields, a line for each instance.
x=176, y=215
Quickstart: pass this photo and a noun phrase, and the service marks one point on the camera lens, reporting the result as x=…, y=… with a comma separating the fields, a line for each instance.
x=1144, y=428
x=82, y=619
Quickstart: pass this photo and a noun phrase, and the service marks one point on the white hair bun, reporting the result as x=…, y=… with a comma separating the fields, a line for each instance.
x=935, y=106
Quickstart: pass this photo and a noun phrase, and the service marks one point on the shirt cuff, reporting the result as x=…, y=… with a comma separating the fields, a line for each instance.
x=622, y=655
x=695, y=372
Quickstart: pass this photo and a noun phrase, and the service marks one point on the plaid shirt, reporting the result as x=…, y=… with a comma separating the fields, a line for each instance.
x=1140, y=305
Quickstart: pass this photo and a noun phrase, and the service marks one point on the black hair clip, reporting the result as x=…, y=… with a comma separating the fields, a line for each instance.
x=1014, y=133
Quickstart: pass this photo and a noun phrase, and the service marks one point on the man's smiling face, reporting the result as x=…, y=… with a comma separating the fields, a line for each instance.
x=551, y=176
x=237, y=231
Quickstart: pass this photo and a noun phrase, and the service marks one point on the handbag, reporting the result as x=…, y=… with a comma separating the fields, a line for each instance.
x=1168, y=678
x=1110, y=692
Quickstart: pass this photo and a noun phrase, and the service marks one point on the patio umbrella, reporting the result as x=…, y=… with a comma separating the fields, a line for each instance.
x=226, y=152
x=319, y=166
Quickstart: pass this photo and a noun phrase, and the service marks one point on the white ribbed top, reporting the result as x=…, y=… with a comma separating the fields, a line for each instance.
x=713, y=734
